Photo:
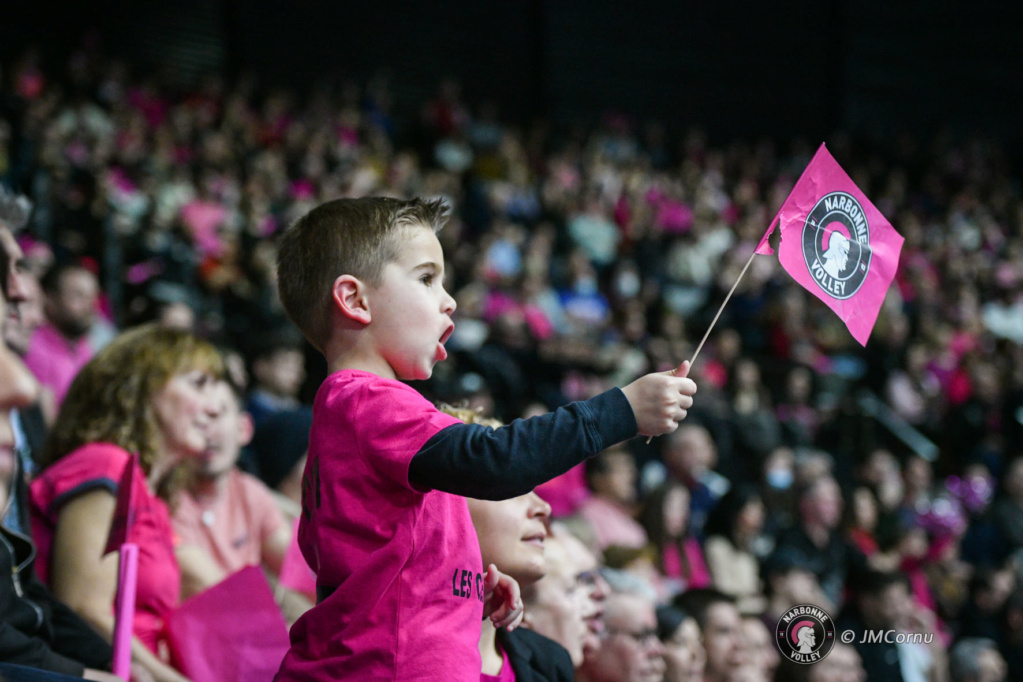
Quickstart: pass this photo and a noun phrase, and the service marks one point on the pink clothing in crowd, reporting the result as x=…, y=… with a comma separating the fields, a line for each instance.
x=99, y=466
x=612, y=525
x=567, y=492
x=694, y=571
x=233, y=527
x=55, y=361
x=399, y=572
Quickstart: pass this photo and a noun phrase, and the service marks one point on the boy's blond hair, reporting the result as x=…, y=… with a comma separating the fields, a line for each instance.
x=354, y=237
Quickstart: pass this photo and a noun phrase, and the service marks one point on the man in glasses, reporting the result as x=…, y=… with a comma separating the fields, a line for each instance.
x=630, y=650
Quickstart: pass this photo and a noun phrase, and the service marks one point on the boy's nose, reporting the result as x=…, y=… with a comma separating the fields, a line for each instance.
x=448, y=305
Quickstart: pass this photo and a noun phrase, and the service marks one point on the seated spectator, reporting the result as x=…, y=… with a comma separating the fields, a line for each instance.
x=759, y=649
x=684, y=657
x=277, y=367
x=36, y=631
x=513, y=536
x=27, y=422
x=611, y=476
x=226, y=519
x=690, y=456
x=62, y=346
x=1007, y=510
x=149, y=392
x=732, y=528
x=816, y=536
x=558, y=606
x=975, y=659
x=680, y=559
x=841, y=665
x=883, y=601
x=630, y=650
x=721, y=626
x=588, y=576
x=788, y=581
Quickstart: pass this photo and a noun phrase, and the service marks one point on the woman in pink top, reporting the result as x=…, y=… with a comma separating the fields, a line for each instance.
x=149, y=392
x=665, y=516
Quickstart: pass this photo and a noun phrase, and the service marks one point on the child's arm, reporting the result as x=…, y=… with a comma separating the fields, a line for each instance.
x=495, y=464
x=502, y=601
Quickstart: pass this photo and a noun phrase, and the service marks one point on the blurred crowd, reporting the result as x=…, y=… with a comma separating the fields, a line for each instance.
x=883, y=484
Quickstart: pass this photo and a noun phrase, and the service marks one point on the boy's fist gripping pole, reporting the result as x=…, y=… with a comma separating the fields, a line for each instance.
x=660, y=401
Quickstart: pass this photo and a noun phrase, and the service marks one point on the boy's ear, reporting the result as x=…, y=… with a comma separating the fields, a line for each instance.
x=349, y=294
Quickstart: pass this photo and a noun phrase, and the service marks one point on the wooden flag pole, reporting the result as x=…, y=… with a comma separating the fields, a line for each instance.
x=715, y=320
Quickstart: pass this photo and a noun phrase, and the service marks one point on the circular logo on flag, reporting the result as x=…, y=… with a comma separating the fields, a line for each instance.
x=836, y=244
x=806, y=634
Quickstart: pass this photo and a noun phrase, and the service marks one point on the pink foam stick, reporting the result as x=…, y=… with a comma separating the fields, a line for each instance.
x=124, y=605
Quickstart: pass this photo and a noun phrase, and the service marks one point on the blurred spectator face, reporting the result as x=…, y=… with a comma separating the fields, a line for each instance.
x=230, y=430
x=888, y=608
x=16, y=390
x=992, y=666
x=690, y=453
x=22, y=320
x=722, y=640
x=779, y=469
x=177, y=316
x=281, y=373
x=512, y=534
x=630, y=650
x=72, y=307
x=917, y=476
x=676, y=511
x=186, y=410
x=864, y=509
x=594, y=588
x=12, y=259
x=750, y=521
x=1014, y=479
x=684, y=657
x=760, y=651
x=822, y=503
x=557, y=605
x=841, y=665
x=618, y=482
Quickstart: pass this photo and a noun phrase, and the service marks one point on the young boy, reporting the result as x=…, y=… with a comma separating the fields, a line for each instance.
x=399, y=576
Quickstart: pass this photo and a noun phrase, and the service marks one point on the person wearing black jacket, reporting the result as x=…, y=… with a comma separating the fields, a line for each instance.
x=535, y=658
x=36, y=630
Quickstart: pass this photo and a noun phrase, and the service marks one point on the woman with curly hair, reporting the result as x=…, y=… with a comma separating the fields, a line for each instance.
x=148, y=393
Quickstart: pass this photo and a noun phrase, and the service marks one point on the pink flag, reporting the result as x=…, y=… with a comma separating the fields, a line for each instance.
x=836, y=244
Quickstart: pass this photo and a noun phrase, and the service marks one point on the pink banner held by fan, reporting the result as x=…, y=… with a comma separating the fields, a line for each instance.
x=127, y=575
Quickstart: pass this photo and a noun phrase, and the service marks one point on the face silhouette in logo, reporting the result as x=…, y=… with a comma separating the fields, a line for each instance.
x=836, y=258
x=805, y=638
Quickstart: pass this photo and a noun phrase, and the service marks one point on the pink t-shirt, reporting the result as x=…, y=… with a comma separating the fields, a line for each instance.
x=100, y=465
x=233, y=527
x=54, y=361
x=399, y=570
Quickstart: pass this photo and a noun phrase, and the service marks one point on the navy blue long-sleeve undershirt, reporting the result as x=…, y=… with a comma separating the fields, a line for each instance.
x=477, y=461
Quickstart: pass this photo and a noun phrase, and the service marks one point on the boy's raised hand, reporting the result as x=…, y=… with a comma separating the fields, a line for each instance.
x=661, y=400
x=502, y=601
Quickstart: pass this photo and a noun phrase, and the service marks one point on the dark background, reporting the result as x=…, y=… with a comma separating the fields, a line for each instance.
x=795, y=67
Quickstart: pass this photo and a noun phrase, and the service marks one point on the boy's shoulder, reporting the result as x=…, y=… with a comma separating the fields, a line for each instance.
x=358, y=391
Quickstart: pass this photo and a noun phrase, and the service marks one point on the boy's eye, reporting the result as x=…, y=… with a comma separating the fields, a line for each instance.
x=426, y=279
